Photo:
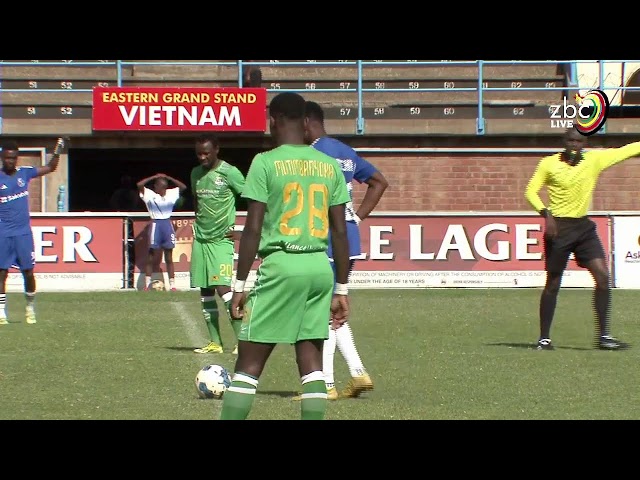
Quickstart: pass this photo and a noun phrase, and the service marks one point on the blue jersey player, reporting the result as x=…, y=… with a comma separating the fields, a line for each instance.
x=355, y=168
x=16, y=240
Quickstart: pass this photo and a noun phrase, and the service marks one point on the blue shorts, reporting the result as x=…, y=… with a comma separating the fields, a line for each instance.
x=162, y=235
x=353, y=235
x=17, y=252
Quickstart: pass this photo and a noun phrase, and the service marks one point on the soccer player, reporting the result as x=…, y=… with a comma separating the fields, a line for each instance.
x=355, y=168
x=295, y=194
x=216, y=185
x=571, y=177
x=160, y=203
x=16, y=238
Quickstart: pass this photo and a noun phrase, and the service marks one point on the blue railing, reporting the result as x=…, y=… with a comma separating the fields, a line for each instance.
x=361, y=68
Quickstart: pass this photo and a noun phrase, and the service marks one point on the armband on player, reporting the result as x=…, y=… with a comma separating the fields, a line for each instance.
x=341, y=289
x=238, y=287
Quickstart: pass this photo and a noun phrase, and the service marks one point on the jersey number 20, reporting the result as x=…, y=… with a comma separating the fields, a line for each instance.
x=315, y=211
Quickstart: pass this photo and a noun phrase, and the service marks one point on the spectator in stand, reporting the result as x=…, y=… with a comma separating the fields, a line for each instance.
x=251, y=75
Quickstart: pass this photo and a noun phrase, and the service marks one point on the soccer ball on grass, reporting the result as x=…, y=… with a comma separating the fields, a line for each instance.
x=157, y=285
x=212, y=381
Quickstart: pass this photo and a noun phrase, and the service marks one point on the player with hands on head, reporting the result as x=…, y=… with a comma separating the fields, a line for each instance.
x=160, y=202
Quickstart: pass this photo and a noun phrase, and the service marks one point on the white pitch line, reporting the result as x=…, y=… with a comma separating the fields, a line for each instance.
x=189, y=324
x=196, y=338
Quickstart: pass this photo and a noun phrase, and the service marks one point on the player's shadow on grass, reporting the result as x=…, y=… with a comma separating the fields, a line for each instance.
x=532, y=346
x=181, y=349
x=278, y=393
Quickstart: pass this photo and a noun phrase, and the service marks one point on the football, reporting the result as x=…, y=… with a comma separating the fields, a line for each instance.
x=212, y=381
x=157, y=285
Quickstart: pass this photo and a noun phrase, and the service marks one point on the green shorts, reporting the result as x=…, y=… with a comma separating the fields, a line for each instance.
x=211, y=263
x=291, y=299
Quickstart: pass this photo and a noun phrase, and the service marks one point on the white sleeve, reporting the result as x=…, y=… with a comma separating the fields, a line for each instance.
x=147, y=195
x=173, y=194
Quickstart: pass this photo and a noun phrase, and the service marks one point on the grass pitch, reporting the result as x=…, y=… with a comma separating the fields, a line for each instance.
x=433, y=354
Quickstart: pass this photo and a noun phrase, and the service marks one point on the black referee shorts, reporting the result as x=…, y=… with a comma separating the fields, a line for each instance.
x=577, y=236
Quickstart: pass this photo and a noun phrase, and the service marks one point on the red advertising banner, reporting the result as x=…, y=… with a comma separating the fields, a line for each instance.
x=80, y=253
x=460, y=252
x=179, y=109
x=419, y=252
x=458, y=243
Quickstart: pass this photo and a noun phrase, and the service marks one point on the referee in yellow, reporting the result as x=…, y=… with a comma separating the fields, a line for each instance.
x=571, y=177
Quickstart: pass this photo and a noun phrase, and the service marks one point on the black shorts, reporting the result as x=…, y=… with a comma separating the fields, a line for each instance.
x=575, y=235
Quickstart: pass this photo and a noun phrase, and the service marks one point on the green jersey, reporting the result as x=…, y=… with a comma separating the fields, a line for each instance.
x=298, y=184
x=215, y=191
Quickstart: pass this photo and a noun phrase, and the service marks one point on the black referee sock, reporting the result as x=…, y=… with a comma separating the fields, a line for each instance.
x=547, y=310
x=601, y=304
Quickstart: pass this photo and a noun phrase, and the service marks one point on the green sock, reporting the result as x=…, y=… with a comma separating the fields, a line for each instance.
x=235, y=324
x=314, y=397
x=211, y=316
x=238, y=399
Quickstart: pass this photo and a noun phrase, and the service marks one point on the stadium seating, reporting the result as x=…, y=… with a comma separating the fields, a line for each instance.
x=375, y=98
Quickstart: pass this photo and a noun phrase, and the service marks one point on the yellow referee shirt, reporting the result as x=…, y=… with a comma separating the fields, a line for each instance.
x=571, y=188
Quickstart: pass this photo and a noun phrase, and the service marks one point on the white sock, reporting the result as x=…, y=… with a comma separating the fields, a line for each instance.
x=147, y=281
x=347, y=348
x=328, y=352
x=172, y=282
x=3, y=305
x=30, y=296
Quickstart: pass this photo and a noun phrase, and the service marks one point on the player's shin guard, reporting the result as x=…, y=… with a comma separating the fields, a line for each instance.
x=235, y=324
x=328, y=353
x=211, y=316
x=313, y=403
x=347, y=348
x=238, y=399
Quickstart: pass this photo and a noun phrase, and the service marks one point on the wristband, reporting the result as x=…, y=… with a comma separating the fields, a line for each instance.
x=341, y=289
x=357, y=218
x=239, y=286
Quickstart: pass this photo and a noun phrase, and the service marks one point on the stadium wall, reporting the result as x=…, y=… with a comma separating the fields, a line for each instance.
x=453, y=174
x=481, y=182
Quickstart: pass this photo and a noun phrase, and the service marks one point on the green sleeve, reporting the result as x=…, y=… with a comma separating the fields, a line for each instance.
x=236, y=180
x=194, y=180
x=255, y=186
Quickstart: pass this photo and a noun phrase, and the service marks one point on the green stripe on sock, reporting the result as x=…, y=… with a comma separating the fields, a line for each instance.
x=313, y=408
x=235, y=324
x=237, y=405
x=212, y=317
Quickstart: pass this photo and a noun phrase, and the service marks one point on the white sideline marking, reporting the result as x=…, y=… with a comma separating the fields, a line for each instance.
x=196, y=338
x=190, y=325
